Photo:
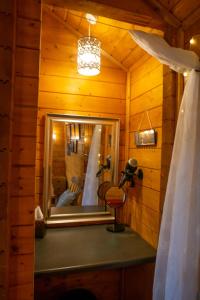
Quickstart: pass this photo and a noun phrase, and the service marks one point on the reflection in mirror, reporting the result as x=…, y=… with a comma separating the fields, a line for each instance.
x=80, y=154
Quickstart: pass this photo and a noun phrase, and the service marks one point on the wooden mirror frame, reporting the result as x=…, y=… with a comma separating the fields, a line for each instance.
x=115, y=123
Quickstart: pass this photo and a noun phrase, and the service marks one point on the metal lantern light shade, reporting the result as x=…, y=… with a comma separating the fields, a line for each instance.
x=89, y=50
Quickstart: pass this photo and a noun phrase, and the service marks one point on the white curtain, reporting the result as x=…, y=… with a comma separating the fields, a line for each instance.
x=91, y=181
x=177, y=274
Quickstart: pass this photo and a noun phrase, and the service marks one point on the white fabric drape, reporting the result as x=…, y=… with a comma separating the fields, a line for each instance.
x=177, y=274
x=178, y=59
x=91, y=181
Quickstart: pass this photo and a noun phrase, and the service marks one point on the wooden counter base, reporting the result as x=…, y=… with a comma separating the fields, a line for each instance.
x=131, y=283
x=113, y=266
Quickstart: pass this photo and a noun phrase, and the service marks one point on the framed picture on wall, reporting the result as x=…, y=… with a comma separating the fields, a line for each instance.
x=82, y=131
x=146, y=138
x=68, y=132
x=77, y=131
x=73, y=133
x=75, y=146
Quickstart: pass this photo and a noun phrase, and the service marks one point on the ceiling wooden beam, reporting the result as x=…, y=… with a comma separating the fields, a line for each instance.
x=164, y=12
x=134, y=12
x=78, y=35
x=191, y=19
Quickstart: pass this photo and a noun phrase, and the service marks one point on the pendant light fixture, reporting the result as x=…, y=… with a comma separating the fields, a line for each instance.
x=89, y=50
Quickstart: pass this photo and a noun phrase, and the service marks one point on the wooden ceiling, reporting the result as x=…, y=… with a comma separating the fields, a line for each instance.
x=117, y=44
x=186, y=12
x=151, y=13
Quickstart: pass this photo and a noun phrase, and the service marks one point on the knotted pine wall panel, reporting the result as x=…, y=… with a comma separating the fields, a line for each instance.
x=62, y=90
x=7, y=38
x=142, y=210
x=22, y=201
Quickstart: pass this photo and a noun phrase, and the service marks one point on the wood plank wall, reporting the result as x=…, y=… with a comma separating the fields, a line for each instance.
x=26, y=73
x=125, y=283
x=63, y=90
x=192, y=30
x=18, y=134
x=7, y=38
x=169, y=119
x=142, y=210
x=189, y=33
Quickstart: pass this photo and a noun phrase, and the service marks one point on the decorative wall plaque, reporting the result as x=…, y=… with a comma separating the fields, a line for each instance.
x=145, y=138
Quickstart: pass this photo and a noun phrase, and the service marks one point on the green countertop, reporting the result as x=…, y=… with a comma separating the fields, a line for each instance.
x=89, y=248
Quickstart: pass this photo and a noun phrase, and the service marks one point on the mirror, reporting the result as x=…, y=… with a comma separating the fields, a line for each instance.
x=80, y=153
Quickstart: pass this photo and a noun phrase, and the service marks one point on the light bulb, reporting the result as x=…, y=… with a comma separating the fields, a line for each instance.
x=192, y=41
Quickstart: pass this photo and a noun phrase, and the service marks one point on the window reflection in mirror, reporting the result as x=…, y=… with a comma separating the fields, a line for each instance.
x=80, y=154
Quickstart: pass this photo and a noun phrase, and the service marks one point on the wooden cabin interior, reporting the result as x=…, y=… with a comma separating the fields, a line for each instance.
x=38, y=76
